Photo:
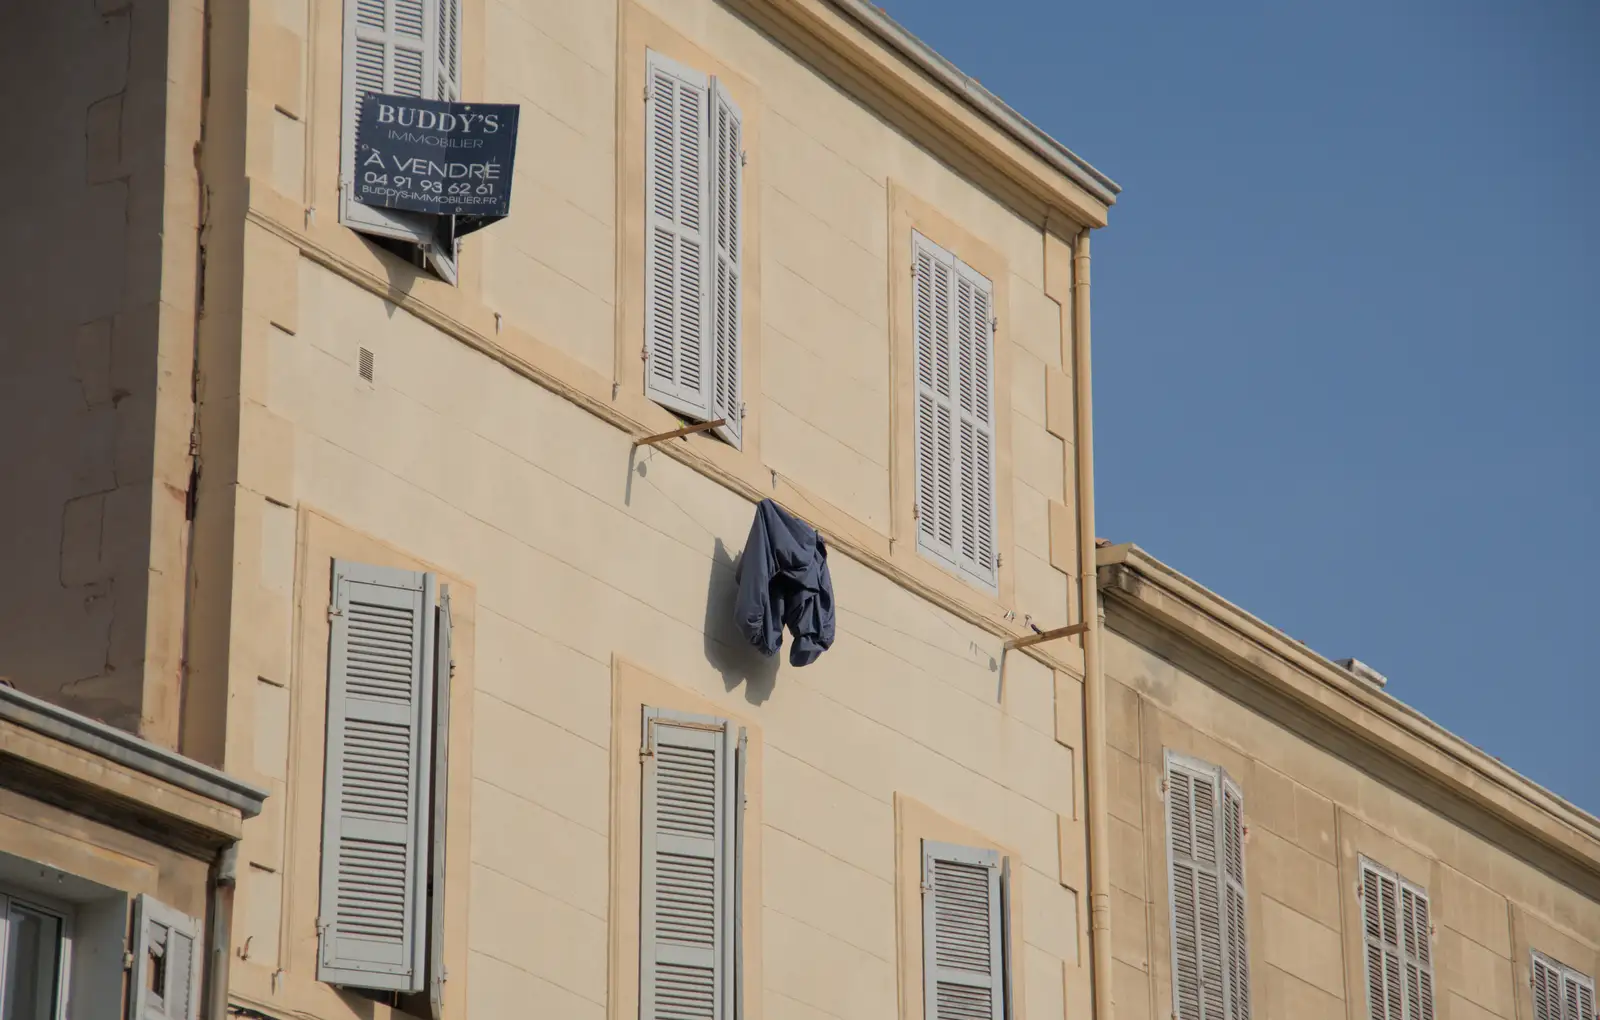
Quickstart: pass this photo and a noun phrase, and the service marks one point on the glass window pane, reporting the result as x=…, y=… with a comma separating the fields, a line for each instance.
x=32, y=965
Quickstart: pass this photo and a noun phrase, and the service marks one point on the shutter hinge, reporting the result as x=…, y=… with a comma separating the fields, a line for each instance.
x=647, y=93
x=927, y=887
x=744, y=158
x=644, y=354
x=916, y=510
x=999, y=560
x=333, y=612
x=994, y=325
x=127, y=960
x=744, y=409
x=444, y=974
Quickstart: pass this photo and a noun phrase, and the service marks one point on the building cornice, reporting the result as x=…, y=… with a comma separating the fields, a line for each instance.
x=1132, y=581
x=863, y=51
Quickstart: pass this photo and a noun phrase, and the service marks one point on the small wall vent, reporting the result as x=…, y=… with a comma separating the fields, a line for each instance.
x=366, y=364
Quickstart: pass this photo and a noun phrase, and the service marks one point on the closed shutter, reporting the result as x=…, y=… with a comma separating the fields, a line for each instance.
x=1417, y=942
x=974, y=318
x=954, y=325
x=377, y=778
x=963, y=954
x=688, y=869
x=727, y=199
x=1210, y=928
x=166, y=962
x=1561, y=993
x=934, y=270
x=388, y=48
x=1236, y=927
x=443, y=249
x=443, y=669
x=1397, y=944
x=678, y=367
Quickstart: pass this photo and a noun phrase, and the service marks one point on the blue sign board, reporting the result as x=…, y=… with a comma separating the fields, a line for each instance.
x=426, y=156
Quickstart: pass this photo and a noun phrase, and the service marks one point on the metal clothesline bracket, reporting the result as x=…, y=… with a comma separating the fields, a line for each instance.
x=676, y=433
x=1047, y=635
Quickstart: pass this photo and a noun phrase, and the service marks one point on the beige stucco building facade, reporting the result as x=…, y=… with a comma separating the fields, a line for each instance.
x=360, y=520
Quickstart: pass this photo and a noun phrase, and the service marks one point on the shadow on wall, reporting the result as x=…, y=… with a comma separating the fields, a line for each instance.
x=726, y=648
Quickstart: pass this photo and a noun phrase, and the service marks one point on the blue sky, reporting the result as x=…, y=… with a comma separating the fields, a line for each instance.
x=1346, y=319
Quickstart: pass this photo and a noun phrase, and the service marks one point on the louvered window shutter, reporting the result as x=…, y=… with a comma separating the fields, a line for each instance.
x=963, y=956
x=934, y=270
x=377, y=778
x=956, y=504
x=1561, y=993
x=166, y=962
x=727, y=199
x=688, y=864
x=388, y=48
x=1236, y=927
x=974, y=373
x=678, y=368
x=1397, y=944
x=443, y=668
x=1210, y=928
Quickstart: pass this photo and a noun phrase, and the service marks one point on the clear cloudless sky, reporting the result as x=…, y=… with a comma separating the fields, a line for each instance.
x=1345, y=325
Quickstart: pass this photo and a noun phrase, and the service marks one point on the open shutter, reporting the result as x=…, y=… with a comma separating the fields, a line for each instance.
x=934, y=270
x=377, y=778
x=727, y=199
x=443, y=669
x=1236, y=930
x=1199, y=955
x=963, y=960
x=1380, y=908
x=974, y=376
x=166, y=962
x=736, y=883
x=388, y=48
x=678, y=367
x=687, y=864
x=444, y=248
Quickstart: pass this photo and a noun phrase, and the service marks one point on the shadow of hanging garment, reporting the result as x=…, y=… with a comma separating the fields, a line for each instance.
x=784, y=581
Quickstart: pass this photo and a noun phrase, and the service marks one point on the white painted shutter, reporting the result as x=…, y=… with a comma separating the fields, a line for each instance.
x=1199, y=955
x=443, y=250
x=377, y=779
x=388, y=48
x=443, y=669
x=934, y=270
x=678, y=368
x=974, y=318
x=1561, y=993
x=963, y=957
x=956, y=504
x=1397, y=944
x=1236, y=925
x=166, y=962
x=727, y=201
x=687, y=862
x=1417, y=944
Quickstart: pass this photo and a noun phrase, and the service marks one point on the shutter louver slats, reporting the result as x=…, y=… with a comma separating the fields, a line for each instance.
x=955, y=446
x=727, y=155
x=166, y=962
x=677, y=264
x=1560, y=992
x=377, y=778
x=962, y=931
x=688, y=867
x=388, y=48
x=1205, y=850
x=1397, y=945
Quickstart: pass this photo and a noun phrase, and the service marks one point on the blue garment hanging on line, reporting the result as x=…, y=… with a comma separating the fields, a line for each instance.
x=784, y=580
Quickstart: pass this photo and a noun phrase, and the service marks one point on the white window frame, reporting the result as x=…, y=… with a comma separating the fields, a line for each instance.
x=1565, y=976
x=64, y=917
x=1379, y=1003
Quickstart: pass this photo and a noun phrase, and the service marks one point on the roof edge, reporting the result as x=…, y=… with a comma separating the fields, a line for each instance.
x=1330, y=675
x=981, y=100
x=129, y=751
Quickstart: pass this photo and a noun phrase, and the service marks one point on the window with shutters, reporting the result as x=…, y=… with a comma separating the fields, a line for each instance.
x=691, y=860
x=405, y=48
x=954, y=324
x=1561, y=993
x=167, y=951
x=965, y=927
x=380, y=923
x=694, y=191
x=33, y=959
x=1397, y=945
x=1206, y=873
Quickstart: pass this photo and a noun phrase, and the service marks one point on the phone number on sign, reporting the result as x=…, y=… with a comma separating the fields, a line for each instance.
x=400, y=186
